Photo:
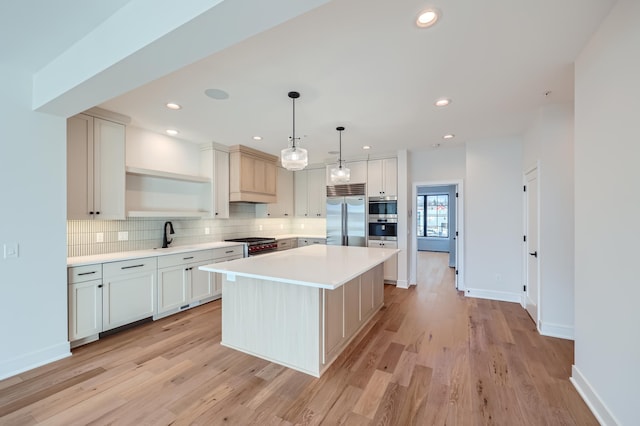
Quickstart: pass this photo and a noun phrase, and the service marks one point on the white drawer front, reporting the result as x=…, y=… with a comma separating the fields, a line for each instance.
x=184, y=258
x=79, y=274
x=133, y=266
x=228, y=251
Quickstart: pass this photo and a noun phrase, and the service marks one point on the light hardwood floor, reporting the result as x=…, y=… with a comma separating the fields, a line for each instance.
x=429, y=357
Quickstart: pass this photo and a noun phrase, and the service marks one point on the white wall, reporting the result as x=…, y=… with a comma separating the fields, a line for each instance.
x=33, y=296
x=443, y=164
x=493, y=219
x=607, y=205
x=549, y=142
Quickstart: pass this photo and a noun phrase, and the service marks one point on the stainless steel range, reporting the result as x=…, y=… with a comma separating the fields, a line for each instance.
x=257, y=245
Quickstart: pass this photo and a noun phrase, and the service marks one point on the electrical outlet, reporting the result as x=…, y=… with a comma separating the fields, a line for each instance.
x=207, y=231
x=99, y=237
x=282, y=226
x=302, y=226
x=123, y=236
x=259, y=227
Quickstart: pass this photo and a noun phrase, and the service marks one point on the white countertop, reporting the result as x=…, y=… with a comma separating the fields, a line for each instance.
x=137, y=254
x=314, y=266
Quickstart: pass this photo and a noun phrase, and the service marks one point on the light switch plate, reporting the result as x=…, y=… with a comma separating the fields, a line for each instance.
x=11, y=251
x=123, y=235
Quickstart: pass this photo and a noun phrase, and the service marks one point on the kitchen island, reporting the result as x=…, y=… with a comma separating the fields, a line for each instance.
x=300, y=308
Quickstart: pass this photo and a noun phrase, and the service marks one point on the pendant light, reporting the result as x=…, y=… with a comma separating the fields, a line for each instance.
x=339, y=173
x=293, y=157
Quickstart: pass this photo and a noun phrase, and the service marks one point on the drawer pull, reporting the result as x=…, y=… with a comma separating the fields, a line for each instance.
x=87, y=273
x=187, y=258
x=229, y=251
x=132, y=266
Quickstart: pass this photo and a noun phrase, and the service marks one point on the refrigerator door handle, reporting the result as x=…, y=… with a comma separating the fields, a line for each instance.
x=344, y=224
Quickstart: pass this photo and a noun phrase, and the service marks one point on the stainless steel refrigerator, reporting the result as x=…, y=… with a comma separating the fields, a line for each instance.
x=346, y=218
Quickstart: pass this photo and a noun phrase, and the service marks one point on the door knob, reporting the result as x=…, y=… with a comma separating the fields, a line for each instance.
x=534, y=254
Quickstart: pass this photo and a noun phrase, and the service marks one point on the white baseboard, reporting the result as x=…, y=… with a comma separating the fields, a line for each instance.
x=591, y=398
x=402, y=284
x=502, y=296
x=556, y=330
x=34, y=359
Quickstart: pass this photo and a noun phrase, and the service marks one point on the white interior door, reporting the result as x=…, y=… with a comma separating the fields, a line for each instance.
x=532, y=288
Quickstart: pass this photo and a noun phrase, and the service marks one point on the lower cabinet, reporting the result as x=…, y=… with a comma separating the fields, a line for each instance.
x=180, y=282
x=391, y=265
x=85, y=302
x=309, y=241
x=128, y=294
x=106, y=296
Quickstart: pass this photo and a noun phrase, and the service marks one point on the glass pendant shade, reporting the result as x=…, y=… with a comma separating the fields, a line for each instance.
x=294, y=158
x=340, y=174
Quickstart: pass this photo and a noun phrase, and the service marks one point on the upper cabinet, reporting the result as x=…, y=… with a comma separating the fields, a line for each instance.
x=284, y=206
x=95, y=168
x=252, y=175
x=215, y=163
x=310, y=193
x=382, y=178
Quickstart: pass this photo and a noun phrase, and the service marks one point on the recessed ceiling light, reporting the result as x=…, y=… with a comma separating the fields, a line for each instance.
x=449, y=136
x=442, y=102
x=172, y=105
x=366, y=147
x=427, y=18
x=172, y=132
x=257, y=138
x=216, y=94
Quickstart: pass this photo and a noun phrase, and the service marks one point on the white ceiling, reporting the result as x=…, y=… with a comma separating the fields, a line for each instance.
x=358, y=63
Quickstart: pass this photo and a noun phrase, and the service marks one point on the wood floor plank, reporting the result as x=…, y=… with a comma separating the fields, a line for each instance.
x=430, y=356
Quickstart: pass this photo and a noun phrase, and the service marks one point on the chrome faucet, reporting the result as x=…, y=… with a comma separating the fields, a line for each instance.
x=165, y=235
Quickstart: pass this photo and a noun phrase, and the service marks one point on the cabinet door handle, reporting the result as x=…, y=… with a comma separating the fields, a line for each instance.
x=90, y=212
x=87, y=273
x=216, y=213
x=228, y=251
x=187, y=258
x=99, y=285
x=133, y=266
x=534, y=254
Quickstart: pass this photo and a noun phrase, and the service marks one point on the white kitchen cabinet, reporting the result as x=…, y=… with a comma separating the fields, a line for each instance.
x=309, y=241
x=284, y=206
x=181, y=283
x=310, y=193
x=129, y=291
x=224, y=255
x=85, y=302
x=95, y=168
x=391, y=265
x=287, y=244
x=382, y=178
x=215, y=165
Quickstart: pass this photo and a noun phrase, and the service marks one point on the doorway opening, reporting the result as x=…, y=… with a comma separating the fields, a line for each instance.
x=437, y=224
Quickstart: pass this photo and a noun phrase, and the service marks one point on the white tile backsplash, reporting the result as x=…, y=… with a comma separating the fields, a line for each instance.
x=146, y=233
